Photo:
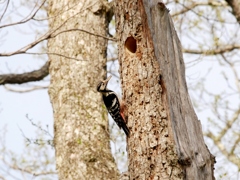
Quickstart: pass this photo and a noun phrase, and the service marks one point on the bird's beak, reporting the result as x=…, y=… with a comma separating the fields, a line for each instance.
x=106, y=81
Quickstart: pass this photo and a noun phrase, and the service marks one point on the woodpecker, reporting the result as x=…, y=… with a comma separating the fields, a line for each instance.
x=112, y=103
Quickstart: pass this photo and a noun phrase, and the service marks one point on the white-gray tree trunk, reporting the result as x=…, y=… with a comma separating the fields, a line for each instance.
x=77, y=64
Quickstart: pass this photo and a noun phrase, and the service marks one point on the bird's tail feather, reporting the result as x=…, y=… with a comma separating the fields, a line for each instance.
x=126, y=130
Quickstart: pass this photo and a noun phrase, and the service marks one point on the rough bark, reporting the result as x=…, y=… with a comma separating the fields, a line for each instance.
x=166, y=139
x=81, y=135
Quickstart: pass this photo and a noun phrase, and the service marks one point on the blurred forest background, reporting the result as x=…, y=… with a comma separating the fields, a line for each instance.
x=209, y=33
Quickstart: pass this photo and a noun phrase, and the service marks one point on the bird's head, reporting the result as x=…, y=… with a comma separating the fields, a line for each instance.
x=102, y=86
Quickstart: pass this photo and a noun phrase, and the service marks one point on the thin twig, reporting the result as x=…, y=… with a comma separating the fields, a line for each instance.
x=46, y=36
x=4, y=10
x=86, y=31
x=221, y=50
x=25, y=19
x=25, y=90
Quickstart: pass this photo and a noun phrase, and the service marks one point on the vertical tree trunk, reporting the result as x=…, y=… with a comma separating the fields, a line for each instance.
x=166, y=139
x=77, y=63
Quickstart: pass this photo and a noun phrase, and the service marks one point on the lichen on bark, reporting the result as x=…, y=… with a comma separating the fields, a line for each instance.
x=81, y=136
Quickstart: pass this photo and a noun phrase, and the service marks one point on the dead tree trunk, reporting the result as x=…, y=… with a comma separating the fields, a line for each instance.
x=166, y=140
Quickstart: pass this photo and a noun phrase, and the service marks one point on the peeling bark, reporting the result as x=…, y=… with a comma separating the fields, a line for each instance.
x=81, y=135
x=166, y=139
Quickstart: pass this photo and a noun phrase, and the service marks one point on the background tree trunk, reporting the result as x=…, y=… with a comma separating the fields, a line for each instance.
x=166, y=139
x=80, y=120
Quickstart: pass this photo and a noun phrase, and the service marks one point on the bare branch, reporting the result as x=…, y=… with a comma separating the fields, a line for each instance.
x=45, y=131
x=25, y=77
x=233, y=67
x=228, y=125
x=86, y=31
x=231, y=157
x=220, y=50
x=16, y=167
x=194, y=5
x=4, y=10
x=57, y=54
x=218, y=140
x=235, y=144
x=189, y=8
x=30, y=172
x=25, y=19
x=48, y=35
x=25, y=90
